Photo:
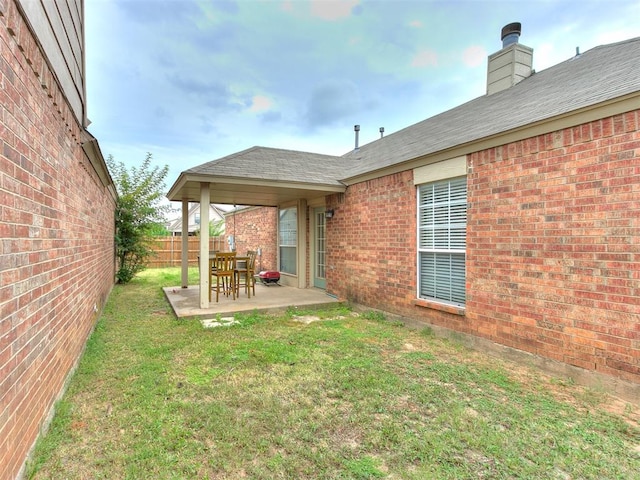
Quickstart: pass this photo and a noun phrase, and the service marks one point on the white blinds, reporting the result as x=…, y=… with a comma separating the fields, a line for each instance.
x=442, y=223
x=442, y=277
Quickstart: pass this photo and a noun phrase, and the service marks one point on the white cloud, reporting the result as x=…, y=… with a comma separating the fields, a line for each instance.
x=425, y=58
x=474, y=56
x=260, y=103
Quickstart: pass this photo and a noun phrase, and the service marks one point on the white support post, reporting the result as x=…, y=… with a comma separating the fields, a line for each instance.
x=205, y=200
x=184, y=263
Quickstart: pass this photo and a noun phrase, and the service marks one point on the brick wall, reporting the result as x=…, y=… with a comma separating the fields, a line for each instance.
x=371, y=249
x=56, y=242
x=553, y=254
x=255, y=228
x=371, y=243
x=554, y=245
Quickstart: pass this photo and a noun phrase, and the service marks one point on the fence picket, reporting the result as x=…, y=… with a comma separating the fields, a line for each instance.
x=168, y=250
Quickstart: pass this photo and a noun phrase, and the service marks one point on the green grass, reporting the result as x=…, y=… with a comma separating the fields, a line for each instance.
x=347, y=397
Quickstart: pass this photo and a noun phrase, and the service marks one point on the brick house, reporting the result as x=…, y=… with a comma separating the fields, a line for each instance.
x=254, y=228
x=57, y=203
x=511, y=221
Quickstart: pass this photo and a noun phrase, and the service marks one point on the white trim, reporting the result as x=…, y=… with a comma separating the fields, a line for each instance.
x=447, y=169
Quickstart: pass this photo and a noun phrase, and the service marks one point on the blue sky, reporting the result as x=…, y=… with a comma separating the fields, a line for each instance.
x=195, y=80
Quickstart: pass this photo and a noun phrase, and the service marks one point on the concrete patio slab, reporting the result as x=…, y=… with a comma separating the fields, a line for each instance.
x=185, y=302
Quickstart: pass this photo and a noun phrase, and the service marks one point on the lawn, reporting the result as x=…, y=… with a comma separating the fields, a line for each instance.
x=345, y=397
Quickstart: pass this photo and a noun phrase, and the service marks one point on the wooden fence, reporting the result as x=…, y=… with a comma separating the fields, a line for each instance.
x=168, y=250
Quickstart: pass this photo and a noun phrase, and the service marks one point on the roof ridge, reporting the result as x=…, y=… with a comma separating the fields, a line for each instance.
x=605, y=45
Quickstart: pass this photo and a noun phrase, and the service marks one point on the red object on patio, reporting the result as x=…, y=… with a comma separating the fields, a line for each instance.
x=269, y=276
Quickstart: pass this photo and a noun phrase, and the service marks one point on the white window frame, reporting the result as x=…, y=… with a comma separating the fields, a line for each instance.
x=441, y=240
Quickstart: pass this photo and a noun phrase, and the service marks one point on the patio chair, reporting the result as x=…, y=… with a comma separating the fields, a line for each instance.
x=223, y=268
x=246, y=274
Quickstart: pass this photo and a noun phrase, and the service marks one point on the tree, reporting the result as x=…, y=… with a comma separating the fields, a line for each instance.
x=160, y=231
x=139, y=212
x=216, y=228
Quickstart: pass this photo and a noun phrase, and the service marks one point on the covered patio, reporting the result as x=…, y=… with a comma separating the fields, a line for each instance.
x=264, y=177
x=185, y=302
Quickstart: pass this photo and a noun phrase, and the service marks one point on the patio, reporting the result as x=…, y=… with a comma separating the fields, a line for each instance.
x=185, y=301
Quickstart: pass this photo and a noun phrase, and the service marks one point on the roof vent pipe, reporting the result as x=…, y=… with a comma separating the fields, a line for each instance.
x=381, y=132
x=356, y=128
x=511, y=34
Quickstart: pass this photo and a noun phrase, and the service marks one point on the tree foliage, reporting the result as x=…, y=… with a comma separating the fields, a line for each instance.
x=216, y=228
x=139, y=212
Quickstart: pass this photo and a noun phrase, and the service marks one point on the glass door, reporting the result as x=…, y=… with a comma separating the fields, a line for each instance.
x=319, y=243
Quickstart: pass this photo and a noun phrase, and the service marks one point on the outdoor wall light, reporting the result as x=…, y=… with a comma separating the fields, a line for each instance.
x=328, y=214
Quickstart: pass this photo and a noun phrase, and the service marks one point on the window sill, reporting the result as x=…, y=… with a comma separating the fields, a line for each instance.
x=443, y=307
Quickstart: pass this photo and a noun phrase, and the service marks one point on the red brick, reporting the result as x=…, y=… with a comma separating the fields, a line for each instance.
x=45, y=229
x=594, y=269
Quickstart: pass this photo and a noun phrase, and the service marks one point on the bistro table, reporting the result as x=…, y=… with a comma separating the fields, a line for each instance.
x=239, y=267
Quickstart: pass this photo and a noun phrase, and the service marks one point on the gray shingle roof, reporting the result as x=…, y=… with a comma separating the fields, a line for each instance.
x=276, y=164
x=600, y=74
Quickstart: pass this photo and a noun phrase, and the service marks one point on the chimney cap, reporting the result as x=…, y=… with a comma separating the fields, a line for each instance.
x=510, y=29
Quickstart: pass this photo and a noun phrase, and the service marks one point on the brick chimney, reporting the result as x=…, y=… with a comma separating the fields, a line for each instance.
x=511, y=64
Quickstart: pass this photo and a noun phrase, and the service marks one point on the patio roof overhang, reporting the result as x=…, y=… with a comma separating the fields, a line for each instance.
x=261, y=176
x=247, y=191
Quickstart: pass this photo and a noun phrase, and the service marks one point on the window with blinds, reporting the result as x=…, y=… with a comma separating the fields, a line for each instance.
x=288, y=240
x=442, y=239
